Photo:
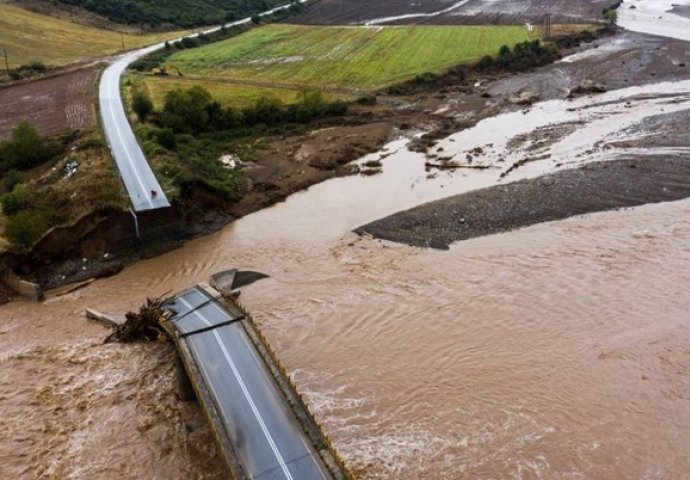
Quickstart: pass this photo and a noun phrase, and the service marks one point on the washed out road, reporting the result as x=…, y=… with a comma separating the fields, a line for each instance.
x=144, y=191
x=269, y=441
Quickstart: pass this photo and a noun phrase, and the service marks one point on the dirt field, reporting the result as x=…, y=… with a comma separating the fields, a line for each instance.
x=337, y=12
x=53, y=105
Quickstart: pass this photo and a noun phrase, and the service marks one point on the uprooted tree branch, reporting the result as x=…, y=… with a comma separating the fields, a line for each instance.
x=144, y=325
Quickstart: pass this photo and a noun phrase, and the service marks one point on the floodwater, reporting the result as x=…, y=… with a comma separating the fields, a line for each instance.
x=559, y=351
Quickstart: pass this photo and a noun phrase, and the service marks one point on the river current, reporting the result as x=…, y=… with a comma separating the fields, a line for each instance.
x=559, y=351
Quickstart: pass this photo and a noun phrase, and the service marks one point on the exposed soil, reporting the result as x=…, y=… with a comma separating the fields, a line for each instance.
x=630, y=59
x=53, y=105
x=592, y=188
x=479, y=12
x=294, y=162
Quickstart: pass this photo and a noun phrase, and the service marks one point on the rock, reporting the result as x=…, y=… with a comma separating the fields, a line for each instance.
x=525, y=98
x=586, y=87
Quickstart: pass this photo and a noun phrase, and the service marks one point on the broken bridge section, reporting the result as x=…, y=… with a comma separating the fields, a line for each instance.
x=259, y=433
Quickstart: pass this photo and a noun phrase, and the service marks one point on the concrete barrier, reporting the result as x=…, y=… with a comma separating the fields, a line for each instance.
x=23, y=288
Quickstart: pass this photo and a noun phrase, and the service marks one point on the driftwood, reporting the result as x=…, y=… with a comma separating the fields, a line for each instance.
x=144, y=325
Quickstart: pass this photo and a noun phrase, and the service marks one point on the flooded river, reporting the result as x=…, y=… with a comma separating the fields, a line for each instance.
x=559, y=351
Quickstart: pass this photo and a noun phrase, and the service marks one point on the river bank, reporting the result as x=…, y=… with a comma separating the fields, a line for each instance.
x=103, y=242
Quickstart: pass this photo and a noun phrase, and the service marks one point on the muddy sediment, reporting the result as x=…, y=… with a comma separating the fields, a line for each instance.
x=592, y=188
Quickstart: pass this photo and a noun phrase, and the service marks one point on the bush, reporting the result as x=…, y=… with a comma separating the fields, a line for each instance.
x=25, y=228
x=522, y=57
x=28, y=70
x=141, y=104
x=25, y=149
x=367, y=100
x=166, y=138
x=15, y=201
x=186, y=111
x=11, y=179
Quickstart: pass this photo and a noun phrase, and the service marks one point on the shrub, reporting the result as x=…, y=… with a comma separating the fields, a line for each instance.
x=11, y=179
x=15, y=201
x=25, y=149
x=141, y=103
x=166, y=138
x=25, y=228
x=367, y=100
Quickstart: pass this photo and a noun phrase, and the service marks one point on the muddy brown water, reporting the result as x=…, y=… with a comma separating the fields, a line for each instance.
x=559, y=351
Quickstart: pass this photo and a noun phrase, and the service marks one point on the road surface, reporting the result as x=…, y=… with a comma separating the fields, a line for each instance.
x=141, y=184
x=267, y=438
x=135, y=171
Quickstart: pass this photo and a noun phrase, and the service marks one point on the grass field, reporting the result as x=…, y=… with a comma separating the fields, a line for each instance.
x=32, y=37
x=227, y=93
x=363, y=58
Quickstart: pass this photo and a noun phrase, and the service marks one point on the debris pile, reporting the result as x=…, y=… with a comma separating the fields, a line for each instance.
x=144, y=325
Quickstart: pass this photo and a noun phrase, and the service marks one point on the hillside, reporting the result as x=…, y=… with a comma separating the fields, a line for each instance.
x=176, y=13
x=32, y=37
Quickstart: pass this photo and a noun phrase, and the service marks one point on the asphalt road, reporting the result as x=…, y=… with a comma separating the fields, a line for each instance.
x=135, y=171
x=268, y=439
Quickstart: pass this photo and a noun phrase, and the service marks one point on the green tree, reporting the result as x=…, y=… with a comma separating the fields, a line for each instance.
x=11, y=179
x=187, y=111
x=141, y=104
x=25, y=228
x=25, y=149
x=15, y=201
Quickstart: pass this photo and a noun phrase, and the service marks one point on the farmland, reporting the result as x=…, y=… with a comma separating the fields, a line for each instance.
x=33, y=37
x=349, y=58
x=226, y=92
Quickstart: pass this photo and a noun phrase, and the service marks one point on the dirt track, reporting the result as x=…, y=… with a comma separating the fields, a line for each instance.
x=53, y=105
x=334, y=12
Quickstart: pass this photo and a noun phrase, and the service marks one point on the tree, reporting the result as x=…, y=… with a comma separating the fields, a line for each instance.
x=256, y=19
x=25, y=149
x=187, y=111
x=25, y=228
x=141, y=104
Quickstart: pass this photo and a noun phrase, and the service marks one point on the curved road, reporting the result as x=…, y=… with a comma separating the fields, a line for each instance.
x=141, y=184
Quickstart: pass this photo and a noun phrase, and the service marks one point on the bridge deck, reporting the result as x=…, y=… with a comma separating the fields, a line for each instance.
x=252, y=414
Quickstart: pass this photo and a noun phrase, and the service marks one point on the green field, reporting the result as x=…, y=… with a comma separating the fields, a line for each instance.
x=238, y=95
x=32, y=37
x=361, y=58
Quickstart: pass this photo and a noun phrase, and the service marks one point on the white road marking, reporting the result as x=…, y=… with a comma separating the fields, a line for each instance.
x=245, y=391
x=110, y=91
x=128, y=154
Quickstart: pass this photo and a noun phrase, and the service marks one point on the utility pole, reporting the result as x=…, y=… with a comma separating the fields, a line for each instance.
x=547, y=27
x=7, y=64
